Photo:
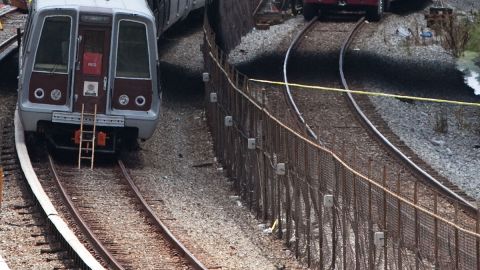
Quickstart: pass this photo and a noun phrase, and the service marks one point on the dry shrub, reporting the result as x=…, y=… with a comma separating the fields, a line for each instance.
x=455, y=33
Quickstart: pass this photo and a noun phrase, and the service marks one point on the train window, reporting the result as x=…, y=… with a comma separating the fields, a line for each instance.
x=132, y=55
x=54, y=46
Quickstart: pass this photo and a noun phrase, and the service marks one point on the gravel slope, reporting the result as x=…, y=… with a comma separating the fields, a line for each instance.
x=178, y=161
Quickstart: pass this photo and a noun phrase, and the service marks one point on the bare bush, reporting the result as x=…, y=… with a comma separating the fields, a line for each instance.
x=455, y=33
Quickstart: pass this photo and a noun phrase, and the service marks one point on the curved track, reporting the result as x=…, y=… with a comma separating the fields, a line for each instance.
x=442, y=186
x=176, y=254
x=114, y=241
x=11, y=34
x=288, y=92
x=10, y=45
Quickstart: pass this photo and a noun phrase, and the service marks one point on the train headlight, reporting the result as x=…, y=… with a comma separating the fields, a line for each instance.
x=140, y=101
x=39, y=93
x=123, y=100
x=56, y=94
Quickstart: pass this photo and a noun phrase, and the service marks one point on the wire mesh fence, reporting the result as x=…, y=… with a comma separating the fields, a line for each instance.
x=330, y=215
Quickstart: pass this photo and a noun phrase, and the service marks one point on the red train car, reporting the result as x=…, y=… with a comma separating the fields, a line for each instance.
x=374, y=8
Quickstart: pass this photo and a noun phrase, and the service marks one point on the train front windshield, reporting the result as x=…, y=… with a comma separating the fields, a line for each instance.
x=132, y=57
x=52, y=53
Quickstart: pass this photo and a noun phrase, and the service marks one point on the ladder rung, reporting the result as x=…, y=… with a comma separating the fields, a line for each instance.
x=83, y=151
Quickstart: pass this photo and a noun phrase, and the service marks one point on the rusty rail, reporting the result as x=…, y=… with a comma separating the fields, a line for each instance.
x=392, y=148
x=288, y=93
x=97, y=243
x=171, y=238
x=8, y=46
x=99, y=247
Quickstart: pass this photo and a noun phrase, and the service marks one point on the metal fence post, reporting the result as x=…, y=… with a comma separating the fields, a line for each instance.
x=435, y=229
x=320, y=213
x=265, y=171
x=457, y=248
x=385, y=246
x=334, y=214
x=478, y=231
x=343, y=184
x=279, y=183
x=288, y=212
x=399, y=223
x=1, y=186
x=274, y=177
x=355, y=213
x=371, y=249
x=298, y=223
x=415, y=218
x=355, y=224
x=306, y=199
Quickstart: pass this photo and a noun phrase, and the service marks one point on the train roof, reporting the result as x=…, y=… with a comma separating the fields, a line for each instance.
x=135, y=6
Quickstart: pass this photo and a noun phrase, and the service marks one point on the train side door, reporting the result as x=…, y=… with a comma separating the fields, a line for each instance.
x=91, y=70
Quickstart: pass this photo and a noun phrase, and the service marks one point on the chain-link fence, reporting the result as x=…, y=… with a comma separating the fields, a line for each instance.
x=329, y=214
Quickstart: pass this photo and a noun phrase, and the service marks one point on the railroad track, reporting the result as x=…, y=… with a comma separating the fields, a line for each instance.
x=342, y=124
x=115, y=223
x=10, y=44
x=362, y=105
x=11, y=34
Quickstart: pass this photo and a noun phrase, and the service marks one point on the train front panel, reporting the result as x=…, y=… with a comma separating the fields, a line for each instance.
x=92, y=59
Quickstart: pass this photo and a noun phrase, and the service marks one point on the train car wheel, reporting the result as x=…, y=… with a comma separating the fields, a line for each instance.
x=310, y=11
x=375, y=14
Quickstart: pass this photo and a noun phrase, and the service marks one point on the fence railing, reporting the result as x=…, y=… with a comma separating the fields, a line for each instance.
x=329, y=214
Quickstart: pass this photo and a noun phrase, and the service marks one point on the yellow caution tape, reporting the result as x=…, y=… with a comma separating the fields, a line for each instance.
x=331, y=89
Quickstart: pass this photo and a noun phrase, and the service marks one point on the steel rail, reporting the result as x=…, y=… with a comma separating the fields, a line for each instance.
x=170, y=237
x=99, y=247
x=6, y=46
x=382, y=138
x=288, y=92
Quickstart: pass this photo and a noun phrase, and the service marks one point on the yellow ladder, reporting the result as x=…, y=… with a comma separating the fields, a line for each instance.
x=87, y=139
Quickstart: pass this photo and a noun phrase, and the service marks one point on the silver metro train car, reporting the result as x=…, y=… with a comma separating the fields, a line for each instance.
x=168, y=12
x=93, y=65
